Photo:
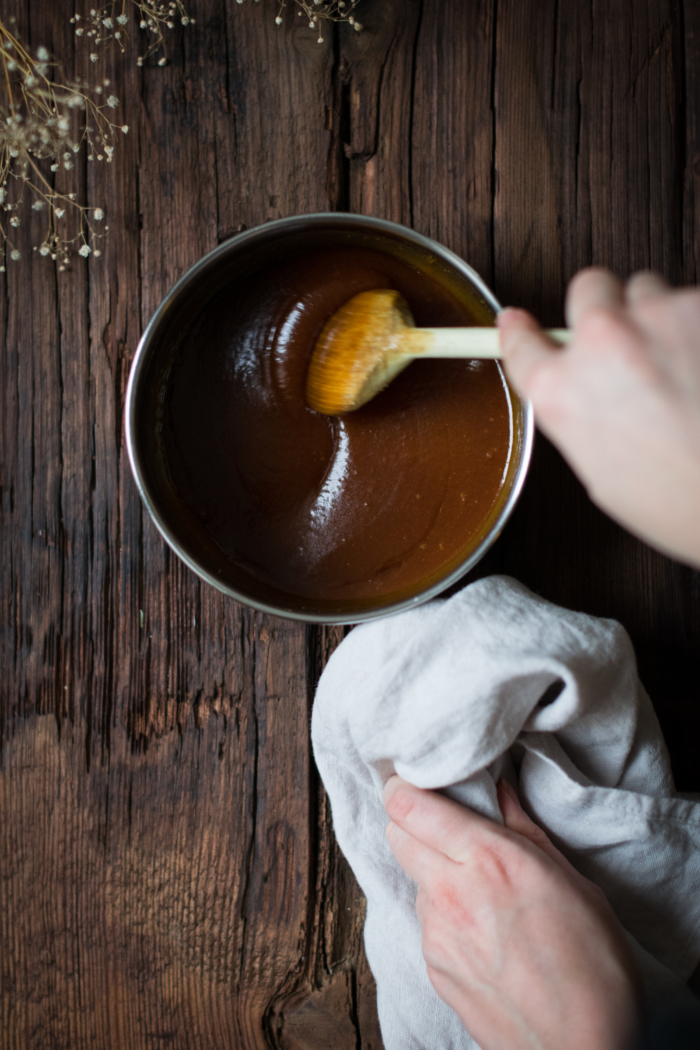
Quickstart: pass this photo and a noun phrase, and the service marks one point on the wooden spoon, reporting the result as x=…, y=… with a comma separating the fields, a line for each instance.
x=372, y=338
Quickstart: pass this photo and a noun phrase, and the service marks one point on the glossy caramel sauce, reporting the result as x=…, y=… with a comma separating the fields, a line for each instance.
x=376, y=503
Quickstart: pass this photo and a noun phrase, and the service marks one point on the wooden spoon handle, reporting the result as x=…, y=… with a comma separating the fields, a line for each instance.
x=466, y=342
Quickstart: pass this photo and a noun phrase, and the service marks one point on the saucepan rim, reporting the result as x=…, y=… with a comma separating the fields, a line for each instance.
x=179, y=290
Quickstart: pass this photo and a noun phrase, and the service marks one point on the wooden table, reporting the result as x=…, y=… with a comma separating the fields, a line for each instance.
x=168, y=872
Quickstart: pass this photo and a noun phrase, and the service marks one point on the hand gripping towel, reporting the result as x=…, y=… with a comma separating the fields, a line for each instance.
x=497, y=682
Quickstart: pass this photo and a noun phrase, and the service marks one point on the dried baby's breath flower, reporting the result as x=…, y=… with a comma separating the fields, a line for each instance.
x=44, y=122
x=106, y=28
x=318, y=11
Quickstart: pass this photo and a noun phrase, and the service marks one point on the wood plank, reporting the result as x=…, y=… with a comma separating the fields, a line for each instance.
x=185, y=825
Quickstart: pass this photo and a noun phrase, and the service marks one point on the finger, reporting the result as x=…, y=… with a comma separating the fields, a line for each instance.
x=438, y=822
x=524, y=346
x=645, y=285
x=589, y=290
x=420, y=862
x=516, y=819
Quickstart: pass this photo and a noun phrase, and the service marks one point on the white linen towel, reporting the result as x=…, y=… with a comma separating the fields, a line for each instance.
x=459, y=692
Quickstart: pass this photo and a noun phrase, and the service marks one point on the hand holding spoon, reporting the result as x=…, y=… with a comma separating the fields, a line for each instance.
x=372, y=338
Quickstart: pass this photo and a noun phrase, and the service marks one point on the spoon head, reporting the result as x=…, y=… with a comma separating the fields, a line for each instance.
x=358, y=352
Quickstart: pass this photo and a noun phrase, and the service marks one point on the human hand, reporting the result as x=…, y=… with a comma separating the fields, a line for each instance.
x=622, y=401
x=524, y=949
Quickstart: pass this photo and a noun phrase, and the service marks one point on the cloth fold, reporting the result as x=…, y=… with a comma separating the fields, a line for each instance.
x=498, y=682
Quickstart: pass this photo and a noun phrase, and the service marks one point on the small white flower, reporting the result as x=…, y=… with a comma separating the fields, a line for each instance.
x=278, y=20
x=42, y=68
x=30, y=81
x=68, y=165
x=97, y=253
x=84, y=251
x=2, y=269
x=118, y=35
x=12, y=65
x=15, y=255
x=125, y=128
x=42, y=54
x=112, y=101
x=43, y=250
x=122, y=19
x=139, y=61
x=99, y=214
x=54, y=167
x=63, y=123
x=3, y=194
x=14, y=152
x=79, y=32
x=93, y=57
x=39, y=205
x=15, y=221
x=60, y=212
x=75, y=147
x=184, y=20
x=162, y=61
x=107, y=22
x=357, y=27
x=170, y=25
x=71, y=196
x=142, y=24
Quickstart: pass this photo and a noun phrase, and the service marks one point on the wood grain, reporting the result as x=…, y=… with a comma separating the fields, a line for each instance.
x=168, y=872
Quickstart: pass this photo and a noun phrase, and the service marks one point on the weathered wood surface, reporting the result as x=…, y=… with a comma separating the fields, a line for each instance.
x=168, y=873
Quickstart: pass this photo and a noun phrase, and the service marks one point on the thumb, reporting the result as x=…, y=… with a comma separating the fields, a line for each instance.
x=525, y=348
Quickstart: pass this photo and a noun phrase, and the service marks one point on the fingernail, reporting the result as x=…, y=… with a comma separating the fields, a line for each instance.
x=390, y=787
x=510, y=791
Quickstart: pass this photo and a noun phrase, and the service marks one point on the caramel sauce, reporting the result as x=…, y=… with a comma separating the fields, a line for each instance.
x=372, y=504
